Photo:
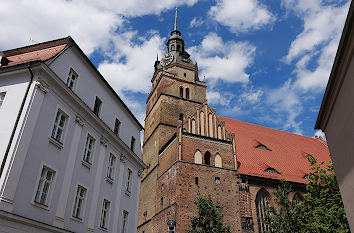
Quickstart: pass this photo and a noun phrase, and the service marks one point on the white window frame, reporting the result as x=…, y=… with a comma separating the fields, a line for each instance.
x=89, y=152
x=56, y=126
x=125, y=221
x=50, y=189
x=129, y=181
x=2, y=97
x=78, y=210
x=111, y=166
x=104, y=221
x=69, y=79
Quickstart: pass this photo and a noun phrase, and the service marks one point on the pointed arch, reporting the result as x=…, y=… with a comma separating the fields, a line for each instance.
x=262, y=202
x=202, y=123
x=211, y=134
x=198, y=157
x=219, y=132
x=218, y=160
x=207, y=156
x=193, y=126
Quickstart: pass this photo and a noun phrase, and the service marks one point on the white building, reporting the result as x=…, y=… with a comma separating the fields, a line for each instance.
x=69, y=147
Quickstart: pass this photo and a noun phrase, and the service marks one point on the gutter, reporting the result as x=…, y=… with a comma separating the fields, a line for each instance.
x=17, y=120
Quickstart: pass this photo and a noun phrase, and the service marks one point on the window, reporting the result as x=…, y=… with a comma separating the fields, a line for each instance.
x=271, y=170
x=129, y=180
x=116, y=126
x=111, y=165
x=44, y=187
x=88, y=152
x=97, y=106
x=132, y=143
x=181, y=92
x=2, y=97
x=198, y=157
x=217, y=180
x=263, y=147
x=207, y=158
x=59, y=125
x=262, y=202
x=71, y=79
x=187, y=93
x=79, y=202
x=125, y=221
x=105, y=214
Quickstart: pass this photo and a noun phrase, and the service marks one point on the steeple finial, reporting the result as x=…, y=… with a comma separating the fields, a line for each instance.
x=175, y=29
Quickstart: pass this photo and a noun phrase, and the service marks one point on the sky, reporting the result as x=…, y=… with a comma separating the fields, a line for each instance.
x=265, y=62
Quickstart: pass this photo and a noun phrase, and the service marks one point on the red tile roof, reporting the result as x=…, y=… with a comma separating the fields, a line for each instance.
x=287, y=151
x=42, y=52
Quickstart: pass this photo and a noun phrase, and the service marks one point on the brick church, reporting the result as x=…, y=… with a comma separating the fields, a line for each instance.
x=190, y=150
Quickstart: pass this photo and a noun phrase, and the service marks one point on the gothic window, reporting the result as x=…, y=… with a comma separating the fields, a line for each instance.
x=198, y=157
x=218, y=161
x=263, y=147
x=202, y=123
x=262, y=201
x=298, y=198
x=207, y=158
x=181, y=92
x=271, y=170
x=187, y=93
x=211, y=125
x=193, y=126
x=219, y=132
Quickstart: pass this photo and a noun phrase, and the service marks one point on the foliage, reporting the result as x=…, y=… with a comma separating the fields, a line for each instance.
x=210, y=219
x=321, y=211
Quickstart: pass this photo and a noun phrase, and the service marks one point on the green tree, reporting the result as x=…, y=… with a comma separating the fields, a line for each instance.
x=321, y=211
x=209, y=220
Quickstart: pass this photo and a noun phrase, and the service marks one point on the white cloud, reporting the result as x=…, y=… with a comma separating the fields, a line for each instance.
x=251, y=96
x=217, y=98
x=241, y=15
x=134, y=71
x=225, y=61
x=196, y=22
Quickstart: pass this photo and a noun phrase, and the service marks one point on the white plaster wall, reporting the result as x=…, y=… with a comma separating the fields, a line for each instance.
x=88, y=86
x=14, y=84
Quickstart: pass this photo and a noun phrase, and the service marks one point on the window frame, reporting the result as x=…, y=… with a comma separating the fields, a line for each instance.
x=111, y=167
x=72, y=71
x=48, y=199
x=97, y=106
x=82, y=206
x=61, y=140
x=129, y=181
x=105, y=212
x=88, y=161
x=125, y=221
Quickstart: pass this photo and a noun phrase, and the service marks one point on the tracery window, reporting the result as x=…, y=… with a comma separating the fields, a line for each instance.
x=262, y=202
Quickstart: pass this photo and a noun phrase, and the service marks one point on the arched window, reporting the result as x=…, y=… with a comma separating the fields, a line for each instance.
x=198, y=157
x=218, y=161
x=271, y=170
x=219, y=132
x=202, y=123
x=187, y=93
x=193, y=126
x=181, y=92
x=211, y=125
x=180, y=117
x=207, y=156
x=262, y=201
x=298, y=198
x=263, y=147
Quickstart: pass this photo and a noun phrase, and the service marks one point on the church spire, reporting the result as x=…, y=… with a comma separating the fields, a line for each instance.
x=175, y=28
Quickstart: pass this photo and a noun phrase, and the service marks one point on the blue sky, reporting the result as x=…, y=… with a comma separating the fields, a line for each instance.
x=265, y=62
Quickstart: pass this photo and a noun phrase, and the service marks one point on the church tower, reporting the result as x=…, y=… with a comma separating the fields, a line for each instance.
x=186, y=147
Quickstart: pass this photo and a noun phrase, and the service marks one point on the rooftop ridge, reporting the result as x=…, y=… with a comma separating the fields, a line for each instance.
x=35, y=47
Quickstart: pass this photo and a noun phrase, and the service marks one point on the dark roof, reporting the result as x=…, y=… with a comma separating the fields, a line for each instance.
x=48, y=50
x=287, y=153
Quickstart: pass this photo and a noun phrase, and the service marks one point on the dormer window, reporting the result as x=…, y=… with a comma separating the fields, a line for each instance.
x=72, y=78
x=263, y=147
x=271, y=170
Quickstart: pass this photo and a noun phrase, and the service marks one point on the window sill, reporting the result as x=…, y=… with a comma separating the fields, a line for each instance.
x=109, y=180
x=76, y=219
x=86, y=164
x=128, y=193
x=55, y=142
x=45, y=207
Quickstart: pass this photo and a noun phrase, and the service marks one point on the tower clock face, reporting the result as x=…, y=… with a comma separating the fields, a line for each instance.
x=167, y=59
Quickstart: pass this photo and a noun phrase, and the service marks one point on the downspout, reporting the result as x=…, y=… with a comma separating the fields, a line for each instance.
x=17, y=120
